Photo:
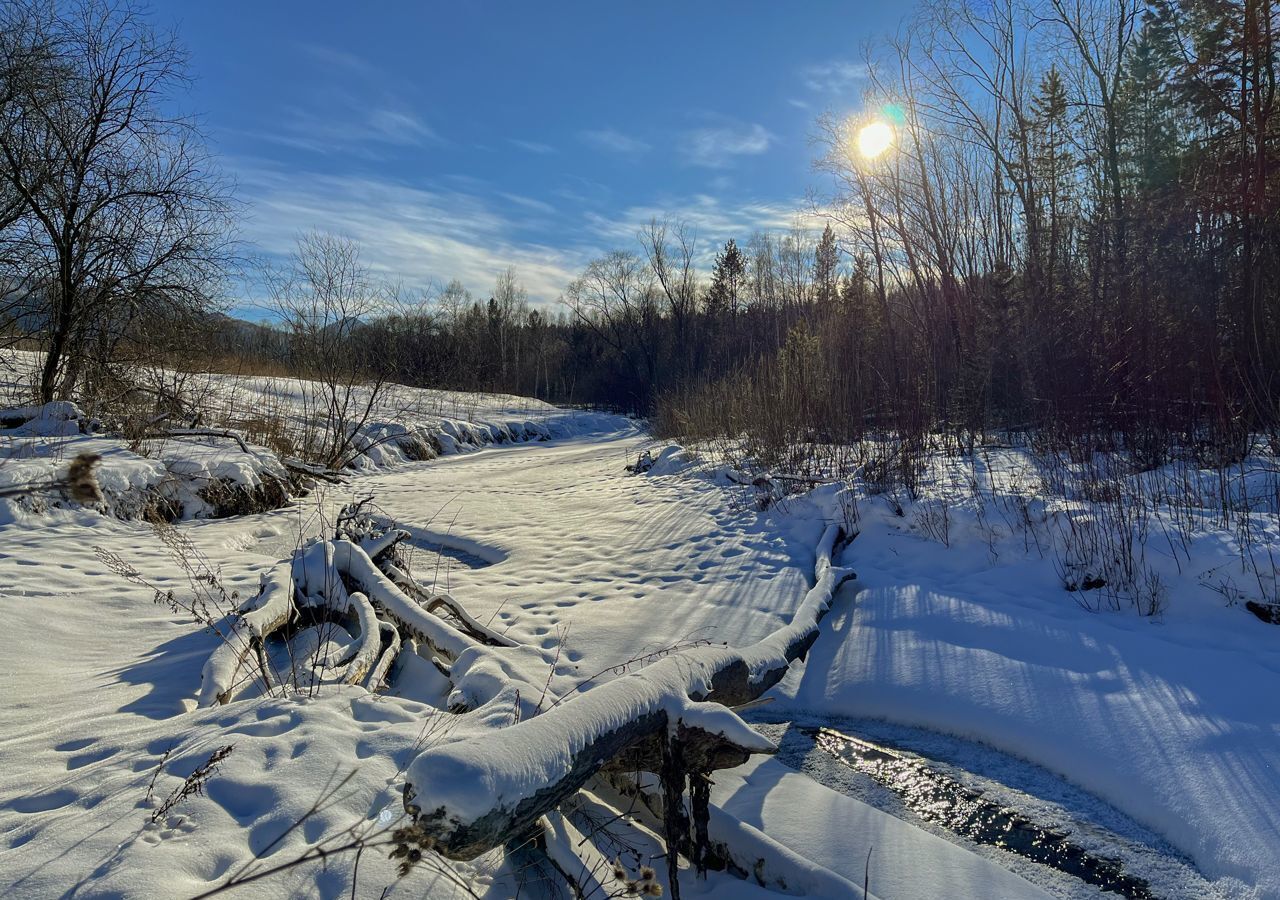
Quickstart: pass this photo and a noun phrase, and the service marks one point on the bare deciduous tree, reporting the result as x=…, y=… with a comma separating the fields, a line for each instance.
x=115, y=208
x=324, y=295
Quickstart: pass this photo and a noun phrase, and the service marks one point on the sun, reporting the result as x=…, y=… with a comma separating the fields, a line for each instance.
x=874, y=138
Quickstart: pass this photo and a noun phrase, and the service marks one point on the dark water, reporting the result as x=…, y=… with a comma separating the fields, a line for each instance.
x=938, y=798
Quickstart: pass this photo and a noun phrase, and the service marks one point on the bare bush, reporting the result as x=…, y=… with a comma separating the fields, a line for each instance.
x=323, y=296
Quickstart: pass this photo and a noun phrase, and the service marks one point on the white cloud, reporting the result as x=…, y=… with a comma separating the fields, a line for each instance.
x=711, y=220
x=834, y=77
x=421, y=236
x=613, y=141
x=528, y=202
x=350, y=127
x=428, y=235
x=532, y=146
x=399, y=127
x=717, y=146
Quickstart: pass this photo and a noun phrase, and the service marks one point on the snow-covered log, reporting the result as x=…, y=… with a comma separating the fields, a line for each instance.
x=208, y=432
x=475, y=792
x=586, y=870
x=307, y=470
x=480, y=674
x=377, y=677
x=433, y=603
x=375, y=546
x=316, y=577
x=469, y=624
x=257, y=619
x=351, y=560
x=370, y=641
x=582, y=839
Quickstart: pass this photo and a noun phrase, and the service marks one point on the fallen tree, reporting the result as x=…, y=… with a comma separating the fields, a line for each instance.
x=468, y=795
x=672, y=718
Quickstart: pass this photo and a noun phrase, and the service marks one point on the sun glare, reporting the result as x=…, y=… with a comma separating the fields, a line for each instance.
x=874, y=139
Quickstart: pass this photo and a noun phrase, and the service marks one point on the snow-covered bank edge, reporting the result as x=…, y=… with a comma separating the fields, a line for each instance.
x=215, y=473
x=963, y=626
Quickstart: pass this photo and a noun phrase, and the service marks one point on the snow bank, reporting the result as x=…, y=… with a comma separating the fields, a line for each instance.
x=672, y=460
x=177, y=478
x=194, y=473
x=61, y=418
x=963, y=626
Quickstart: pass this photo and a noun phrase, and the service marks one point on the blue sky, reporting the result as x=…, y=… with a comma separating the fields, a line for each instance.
x=453, y=139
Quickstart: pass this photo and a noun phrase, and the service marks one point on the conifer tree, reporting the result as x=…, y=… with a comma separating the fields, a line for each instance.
x=726, y=280
x=826, y=265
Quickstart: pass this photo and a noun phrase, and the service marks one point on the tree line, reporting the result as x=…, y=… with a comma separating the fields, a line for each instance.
x=1075, y=230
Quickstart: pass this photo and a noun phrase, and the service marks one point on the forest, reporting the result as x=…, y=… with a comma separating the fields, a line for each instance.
x=1075, y=232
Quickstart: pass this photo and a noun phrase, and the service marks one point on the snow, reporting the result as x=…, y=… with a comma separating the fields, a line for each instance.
x=795, y=811
x=60, y=418
x=596, y=574
x=1178, y=728
x=177, y=468
x=475, y=777
x=1175, y=720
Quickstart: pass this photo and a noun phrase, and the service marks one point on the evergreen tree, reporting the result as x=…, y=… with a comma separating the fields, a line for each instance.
x=726, y=280
x=826, y=264
x=1052, y=160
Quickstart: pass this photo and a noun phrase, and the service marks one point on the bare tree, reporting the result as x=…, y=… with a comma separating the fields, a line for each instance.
x=615, y=299
x=669, y=249
x=119, y=209
x=26, y=67
x=509, y=306
x=323, y=296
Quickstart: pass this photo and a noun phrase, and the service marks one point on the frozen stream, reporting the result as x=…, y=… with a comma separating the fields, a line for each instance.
x=556, y=547
x=1016, y=814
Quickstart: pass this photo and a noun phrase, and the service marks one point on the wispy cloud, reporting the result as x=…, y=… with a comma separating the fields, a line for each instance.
x=463, y=228
x=718, y=146
x=528, y=202
x=712, y=220
x=421, y=235
x=532, y=146
x=839, y=76
x=614, y=141
x=352, y=107
x=395, y=126
x=332, y=56
x=350, y=128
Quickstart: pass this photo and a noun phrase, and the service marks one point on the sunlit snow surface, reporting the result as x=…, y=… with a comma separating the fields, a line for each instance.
x=1173, y=722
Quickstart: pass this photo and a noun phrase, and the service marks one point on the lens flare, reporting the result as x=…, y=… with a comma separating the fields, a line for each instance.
x=874, y=138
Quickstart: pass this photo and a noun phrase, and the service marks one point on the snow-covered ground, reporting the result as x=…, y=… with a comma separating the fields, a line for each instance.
x=1173, y=721
x=190, y=470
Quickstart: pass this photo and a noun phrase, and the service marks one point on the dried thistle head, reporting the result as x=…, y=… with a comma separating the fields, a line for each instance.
x=410, y=842
x=82, y=480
